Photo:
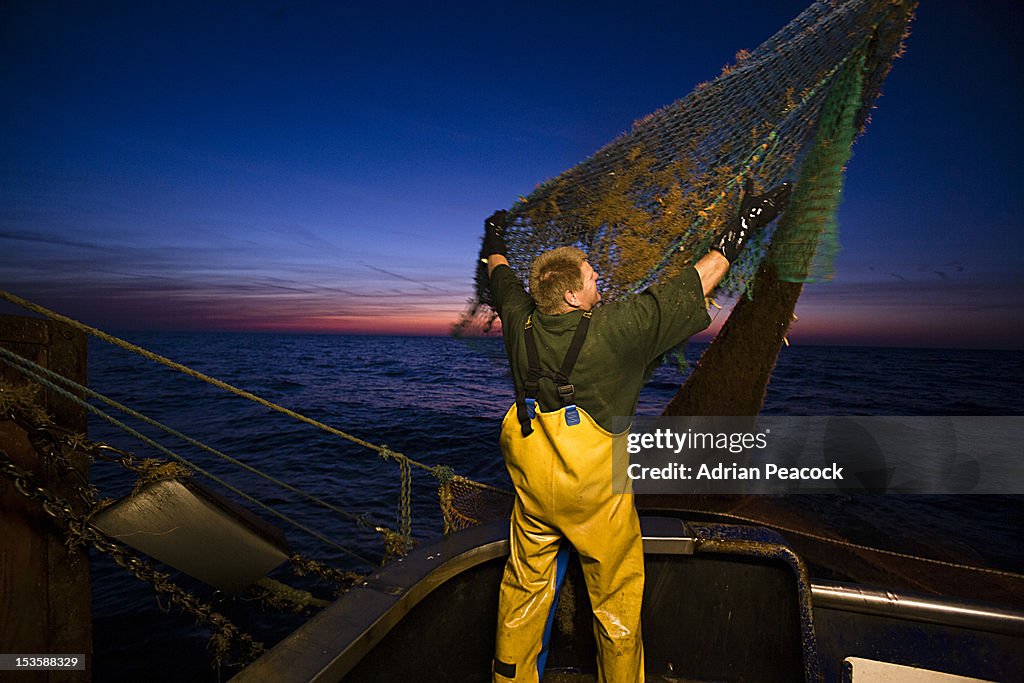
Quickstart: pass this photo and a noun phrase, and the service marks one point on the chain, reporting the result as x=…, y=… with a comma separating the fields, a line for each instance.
x=147, y=470
x=56, y=446
x=78, y=528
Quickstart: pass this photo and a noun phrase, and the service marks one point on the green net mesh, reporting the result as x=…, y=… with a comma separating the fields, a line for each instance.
x=649, y=203
x=806, y=240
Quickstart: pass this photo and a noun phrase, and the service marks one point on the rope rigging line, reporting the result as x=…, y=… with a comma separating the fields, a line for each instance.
x=856, y=546
x=383, y=451
x=27, y=371
x=10, y=357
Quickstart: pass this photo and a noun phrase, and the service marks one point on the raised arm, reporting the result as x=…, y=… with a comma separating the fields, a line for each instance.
x=508, y=296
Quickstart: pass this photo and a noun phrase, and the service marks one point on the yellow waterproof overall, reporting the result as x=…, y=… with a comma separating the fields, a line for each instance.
x=562, y=473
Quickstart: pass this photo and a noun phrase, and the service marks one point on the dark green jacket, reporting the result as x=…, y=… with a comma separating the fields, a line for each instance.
x=624, y=344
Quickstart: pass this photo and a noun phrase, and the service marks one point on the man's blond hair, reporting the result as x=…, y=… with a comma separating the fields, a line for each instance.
x=552, y=274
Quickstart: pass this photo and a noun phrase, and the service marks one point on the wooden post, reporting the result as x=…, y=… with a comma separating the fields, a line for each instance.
x=45, y=605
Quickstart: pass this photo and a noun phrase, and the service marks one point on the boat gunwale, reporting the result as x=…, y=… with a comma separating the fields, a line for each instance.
x=334, y=641
x=930, y=609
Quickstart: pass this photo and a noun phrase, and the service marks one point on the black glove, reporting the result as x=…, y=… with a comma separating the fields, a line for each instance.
x=755, y=212
x=494, y=235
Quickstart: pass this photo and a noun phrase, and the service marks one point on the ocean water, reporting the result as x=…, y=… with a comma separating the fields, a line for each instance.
x=439, y=401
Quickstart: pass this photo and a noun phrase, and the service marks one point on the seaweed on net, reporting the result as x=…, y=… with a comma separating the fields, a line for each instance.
x=648, y=204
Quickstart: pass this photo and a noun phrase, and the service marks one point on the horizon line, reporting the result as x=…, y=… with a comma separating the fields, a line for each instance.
x=704, y=341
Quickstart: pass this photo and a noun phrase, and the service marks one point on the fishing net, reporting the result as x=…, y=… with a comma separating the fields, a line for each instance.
x=465, y=502
x=649, y=203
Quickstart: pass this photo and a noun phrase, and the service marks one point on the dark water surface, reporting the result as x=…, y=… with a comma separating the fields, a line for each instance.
x=439, y=401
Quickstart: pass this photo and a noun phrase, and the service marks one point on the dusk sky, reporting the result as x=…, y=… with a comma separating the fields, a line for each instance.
x=327, y=167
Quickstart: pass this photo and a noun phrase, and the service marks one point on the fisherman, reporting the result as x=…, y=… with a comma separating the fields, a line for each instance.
x=576, y=366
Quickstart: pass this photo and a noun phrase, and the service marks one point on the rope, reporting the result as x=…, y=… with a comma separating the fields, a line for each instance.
x=283, y=596
x=358, y=519
x=396, y=542
x=157, y=358
x=857, y=546
x=27, y=371
x=399, y=542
